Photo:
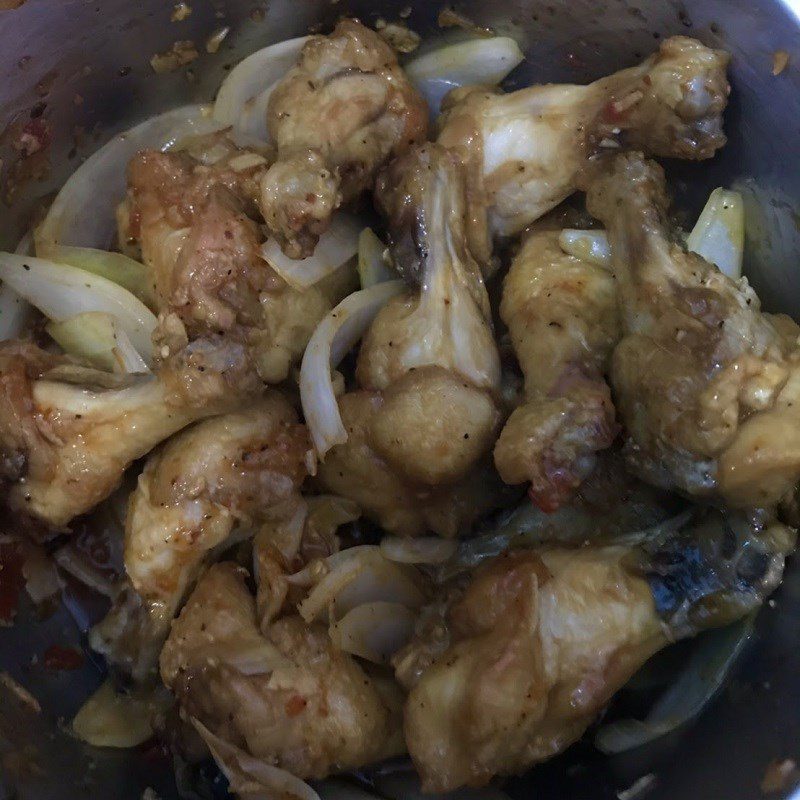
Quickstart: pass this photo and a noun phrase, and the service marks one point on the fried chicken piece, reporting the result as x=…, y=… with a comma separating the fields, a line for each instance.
x=287, y=697
x=431, y=351
x=399, y=504
x=511, y=665
x=561, y=313
x=706, y=385
x=222, y=475
x=338, y=115
x=197, y=225
x=526, y=150
x=68, y=433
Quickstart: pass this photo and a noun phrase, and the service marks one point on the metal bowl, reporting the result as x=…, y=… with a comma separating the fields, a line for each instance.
x=82, y=67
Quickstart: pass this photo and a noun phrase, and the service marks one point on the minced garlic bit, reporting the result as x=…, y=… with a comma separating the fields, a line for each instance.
x=398, y=35
x=215, y=40
x=780, y=60
x=180, y=12
x=181, y=53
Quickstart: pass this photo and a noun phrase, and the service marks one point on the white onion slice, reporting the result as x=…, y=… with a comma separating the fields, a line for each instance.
x=251, y=778
x=477, y=61
x=422, y=550
x=60, y=292
x=353, y=579
x=718, y=235
x=242, y=99
x=83, y=213
x=591, y=246
x=374, y=631
x=335, y=247
x=96, y=337
x=329, y=343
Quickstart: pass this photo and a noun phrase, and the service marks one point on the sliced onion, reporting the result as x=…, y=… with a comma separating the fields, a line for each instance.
x=14, y=310
x=243, y=97
x=329, y=343
x=421, y=550
x=372, y=267
x=126, y=272
x=374, y=631
x=60, y=292
x=335, y=247
x=96, y=337
x=696, y=685
x=252, y=778
x=591, y=246
x=483, y=61
x=83, y=213
x=362, y=577
x=109, y=719
x=718, y=235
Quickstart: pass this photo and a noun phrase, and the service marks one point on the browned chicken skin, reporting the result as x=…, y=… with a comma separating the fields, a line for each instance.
x=386, y=495
x=287, y=696
x=706, y=384
x=221, y=307
x=525, y=150
x=513, y=662
x=343, y=111
x=68, y=433
x=429, y=360
x=561, y=313
x=222, y=475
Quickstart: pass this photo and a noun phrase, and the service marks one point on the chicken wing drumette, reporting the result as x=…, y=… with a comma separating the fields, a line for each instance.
x=705, y=383
x=513, y=663
x=343, y=111
x=286, y=696
x=428, y=363
x=68, y=433
x=526, y=150
x=222, y=475
x=561, y=313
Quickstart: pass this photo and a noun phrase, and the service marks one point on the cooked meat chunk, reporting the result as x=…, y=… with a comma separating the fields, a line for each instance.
x=706, y=384
x=512, y=663
x=340, y=113
x=222, y=475
x=287, y=697
x=525, y=150
x=398, y=504
x=67, y=433
x=561, y=313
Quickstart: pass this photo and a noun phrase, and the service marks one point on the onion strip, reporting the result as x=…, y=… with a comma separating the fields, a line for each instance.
x=373, y=631
x=251, y=778
x=335, y=247
x=329, y=343
x=476, y=61
x=243, y=97
x=60, y=292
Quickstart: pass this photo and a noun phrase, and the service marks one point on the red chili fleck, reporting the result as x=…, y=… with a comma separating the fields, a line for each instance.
x=57, y=657
x=611, y=113
x=11, y=581
x=295, y=705
x=35, y=136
